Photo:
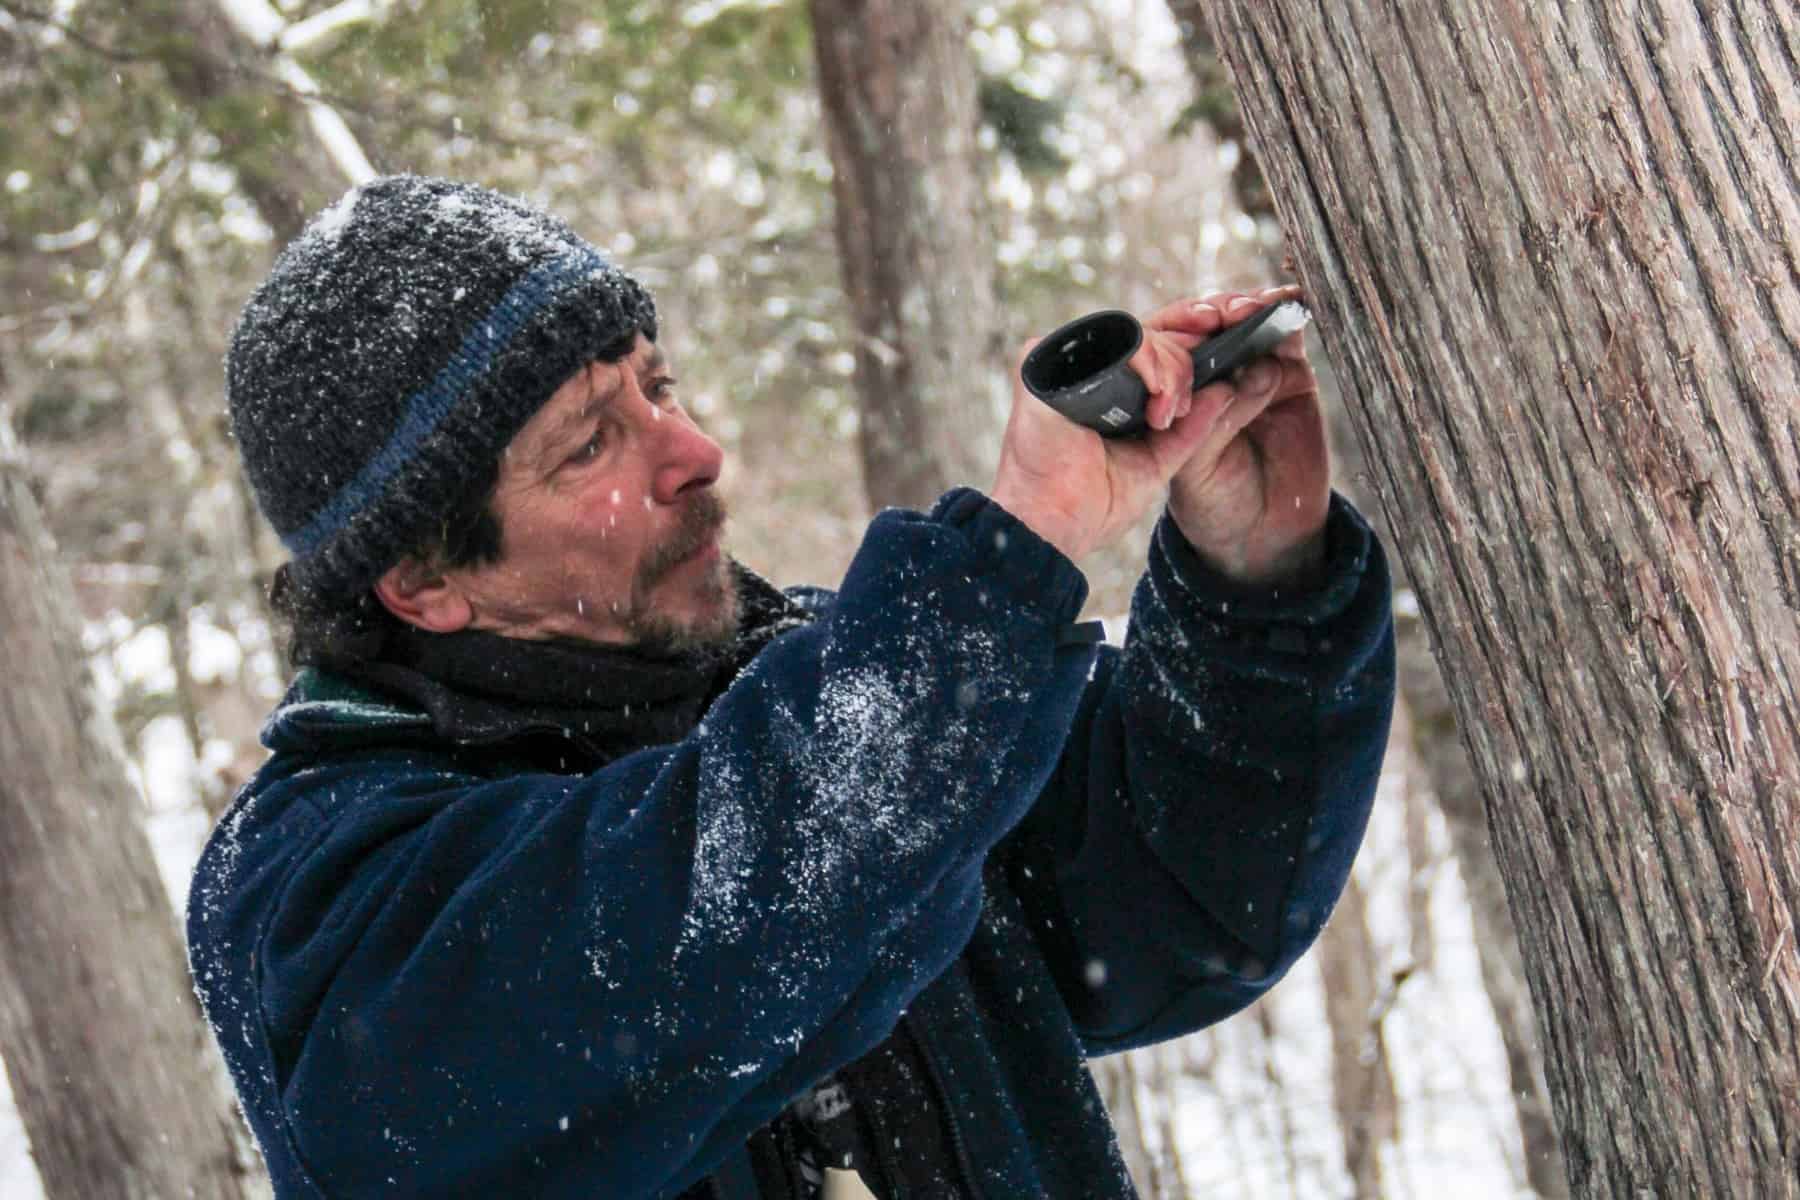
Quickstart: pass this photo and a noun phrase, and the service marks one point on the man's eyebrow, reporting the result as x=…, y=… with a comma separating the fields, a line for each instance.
x=575, y=421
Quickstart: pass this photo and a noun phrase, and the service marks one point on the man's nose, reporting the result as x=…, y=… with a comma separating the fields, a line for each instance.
x=686, y=458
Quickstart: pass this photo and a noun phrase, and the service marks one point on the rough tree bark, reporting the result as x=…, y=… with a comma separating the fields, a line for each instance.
x=108, y=1056
x=1555, y=251
x=897, y=86
x=1423, y=705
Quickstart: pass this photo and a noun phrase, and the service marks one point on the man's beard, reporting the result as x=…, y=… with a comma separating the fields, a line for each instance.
x=713, y=627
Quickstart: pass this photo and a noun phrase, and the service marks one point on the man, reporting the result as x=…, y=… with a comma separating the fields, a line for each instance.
x=588, y=864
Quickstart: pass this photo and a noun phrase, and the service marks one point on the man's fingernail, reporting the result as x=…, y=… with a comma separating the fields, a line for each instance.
x=1241, y=303
x=1201, y=306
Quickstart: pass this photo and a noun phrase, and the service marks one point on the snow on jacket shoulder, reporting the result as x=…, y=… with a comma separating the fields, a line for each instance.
x=434, y=972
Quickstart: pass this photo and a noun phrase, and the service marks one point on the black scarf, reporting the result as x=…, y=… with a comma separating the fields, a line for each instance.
x=597, y=702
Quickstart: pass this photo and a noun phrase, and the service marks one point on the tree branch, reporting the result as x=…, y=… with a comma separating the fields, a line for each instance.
x=319, y=31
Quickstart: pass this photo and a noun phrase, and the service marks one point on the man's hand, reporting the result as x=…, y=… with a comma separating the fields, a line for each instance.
x=1253, y=497
x=1244, y=460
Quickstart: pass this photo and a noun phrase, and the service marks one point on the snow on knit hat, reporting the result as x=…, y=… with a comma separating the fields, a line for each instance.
x=396, y=347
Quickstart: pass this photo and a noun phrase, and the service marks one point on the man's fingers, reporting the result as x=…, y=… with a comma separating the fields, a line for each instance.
x=1195, y=318
x=1166, y=367
x=1222, y=410
x=1190, y=322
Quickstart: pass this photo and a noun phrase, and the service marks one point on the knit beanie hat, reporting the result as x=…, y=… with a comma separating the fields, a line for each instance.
x=396, y=347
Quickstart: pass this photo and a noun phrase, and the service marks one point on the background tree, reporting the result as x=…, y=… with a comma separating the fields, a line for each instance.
x=110, y=1066
x=1556, y=254
x=292, y=154
x=898, y=92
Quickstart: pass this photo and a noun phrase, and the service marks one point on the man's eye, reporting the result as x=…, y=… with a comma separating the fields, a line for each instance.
x=589, y=451
x=662, y=389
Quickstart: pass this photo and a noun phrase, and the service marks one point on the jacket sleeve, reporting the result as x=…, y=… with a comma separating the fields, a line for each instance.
x=1215, y=788
x=520, y=985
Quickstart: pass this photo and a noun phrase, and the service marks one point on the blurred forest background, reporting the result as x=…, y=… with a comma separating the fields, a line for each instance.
x=156, y=154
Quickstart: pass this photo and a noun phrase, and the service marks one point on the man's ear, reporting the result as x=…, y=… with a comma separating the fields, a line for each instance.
x=420, y=595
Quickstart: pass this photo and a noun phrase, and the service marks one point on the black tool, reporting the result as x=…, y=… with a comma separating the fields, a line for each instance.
x=1080, y=370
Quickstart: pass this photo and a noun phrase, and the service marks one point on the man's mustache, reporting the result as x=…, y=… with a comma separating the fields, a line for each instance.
x=701, y=519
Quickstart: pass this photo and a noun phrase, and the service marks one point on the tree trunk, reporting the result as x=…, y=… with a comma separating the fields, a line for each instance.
x=1556, y=249
x=1285, y=1135
x=1423, y=705
x=897, y=86
x=108, y=1055
x=1362, y=1085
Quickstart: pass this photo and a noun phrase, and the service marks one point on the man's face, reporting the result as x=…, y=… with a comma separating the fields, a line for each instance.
x=610, y=524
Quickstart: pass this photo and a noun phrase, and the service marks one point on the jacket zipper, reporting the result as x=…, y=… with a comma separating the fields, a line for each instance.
x=935, y=1075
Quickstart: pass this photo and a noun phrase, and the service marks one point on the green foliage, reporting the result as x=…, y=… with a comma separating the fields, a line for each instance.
x=60, y=411
x=1023, y=123
x=1214, y=108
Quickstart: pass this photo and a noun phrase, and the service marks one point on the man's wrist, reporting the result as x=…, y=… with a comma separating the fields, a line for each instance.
x=1049, y=523
x=1295, y=568
x=1036, y=573
x=1347, y=548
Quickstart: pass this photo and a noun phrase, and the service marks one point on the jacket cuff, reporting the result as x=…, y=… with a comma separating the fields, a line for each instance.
x=1207, y=593
x=1038, y=575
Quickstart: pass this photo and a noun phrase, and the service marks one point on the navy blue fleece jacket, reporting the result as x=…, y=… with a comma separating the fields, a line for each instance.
x=436, y=970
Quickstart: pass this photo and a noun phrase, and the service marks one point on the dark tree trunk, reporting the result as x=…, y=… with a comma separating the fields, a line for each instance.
x=897, y=86
x=1555, y=252
x=109, y=1059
